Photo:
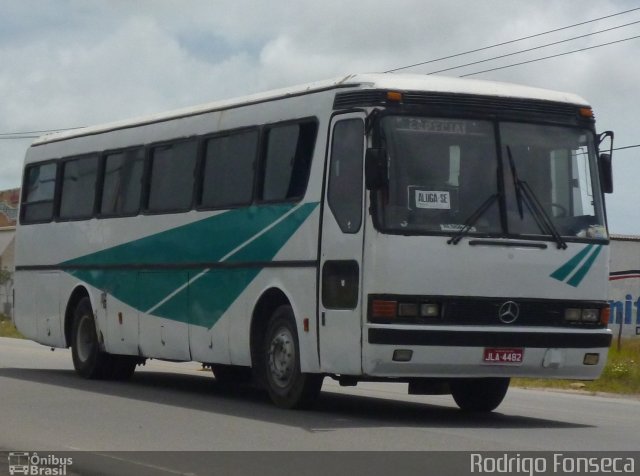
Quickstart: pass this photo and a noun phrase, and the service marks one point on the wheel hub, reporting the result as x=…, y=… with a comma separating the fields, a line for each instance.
x=85, y=339
x=281, y=357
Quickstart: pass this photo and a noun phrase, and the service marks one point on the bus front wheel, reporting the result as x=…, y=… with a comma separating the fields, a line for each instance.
x=479, y=394
x=288, y=387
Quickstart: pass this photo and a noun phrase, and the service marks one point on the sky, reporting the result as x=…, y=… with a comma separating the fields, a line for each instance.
x=71, y=63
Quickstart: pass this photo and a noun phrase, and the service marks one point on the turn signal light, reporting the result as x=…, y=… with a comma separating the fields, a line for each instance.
x=586, y=112
x=394, y=96
x=384, y=309
x=605, y=314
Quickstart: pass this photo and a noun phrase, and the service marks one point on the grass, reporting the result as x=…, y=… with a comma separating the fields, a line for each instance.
x=621, y=374
x=7, y=329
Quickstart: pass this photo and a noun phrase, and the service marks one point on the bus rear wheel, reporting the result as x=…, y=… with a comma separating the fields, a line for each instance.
x=479, y=395
x=88, y=360
x=287, y=386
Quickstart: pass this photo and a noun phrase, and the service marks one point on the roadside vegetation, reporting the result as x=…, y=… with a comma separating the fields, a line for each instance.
x=621, y=374
x=7, y=329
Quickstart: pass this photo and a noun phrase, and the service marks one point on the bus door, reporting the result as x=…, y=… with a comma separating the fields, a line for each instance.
x=342, y=234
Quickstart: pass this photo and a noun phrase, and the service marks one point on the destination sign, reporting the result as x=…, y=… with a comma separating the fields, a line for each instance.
x=436, y=126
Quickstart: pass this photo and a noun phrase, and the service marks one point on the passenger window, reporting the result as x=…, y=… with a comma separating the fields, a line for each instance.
x=345, y=174
x=122, y=186
x=229, y=168
x=289, y=150
x=38, y=193
x=78, y=187
x=172, y=177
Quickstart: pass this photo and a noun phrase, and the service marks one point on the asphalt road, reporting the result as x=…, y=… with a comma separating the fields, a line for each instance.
x=169, y=406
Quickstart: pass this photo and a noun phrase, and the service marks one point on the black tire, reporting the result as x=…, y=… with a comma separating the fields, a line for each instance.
x=287, y=386
x=231, y=374
x=479, y=395
x=88, y=360
x=121, y=367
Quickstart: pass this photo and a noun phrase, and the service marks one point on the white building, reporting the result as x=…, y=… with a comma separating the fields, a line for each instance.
x=624, y=285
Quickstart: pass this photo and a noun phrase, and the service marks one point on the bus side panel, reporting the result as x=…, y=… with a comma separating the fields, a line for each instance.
x=222, y=301
x=163, y=316
x=299, y=286
x=37, y=307
x=302, y=286
x=120, y=319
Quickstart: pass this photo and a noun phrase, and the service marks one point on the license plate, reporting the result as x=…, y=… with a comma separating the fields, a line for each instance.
x=503, y=356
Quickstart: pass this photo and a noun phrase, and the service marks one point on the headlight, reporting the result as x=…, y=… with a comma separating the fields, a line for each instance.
x=429, y=310
x=588, y=316
x=572, y=315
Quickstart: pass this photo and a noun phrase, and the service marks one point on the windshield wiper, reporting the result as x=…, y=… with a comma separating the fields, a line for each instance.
x=526, y=195
x=473, y=218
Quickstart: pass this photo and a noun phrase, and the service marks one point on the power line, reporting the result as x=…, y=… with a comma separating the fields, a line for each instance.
x=627, y=147
x=534, y=48
x=37, y=132
x=31, y=134
x=510, y=41
x=549, y=57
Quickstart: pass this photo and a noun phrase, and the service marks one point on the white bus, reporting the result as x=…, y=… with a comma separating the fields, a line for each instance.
x=445, y=233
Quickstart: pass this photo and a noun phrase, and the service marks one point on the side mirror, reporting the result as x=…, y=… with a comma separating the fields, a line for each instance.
x=604, y=162
x=606, y=173
x=375, y=169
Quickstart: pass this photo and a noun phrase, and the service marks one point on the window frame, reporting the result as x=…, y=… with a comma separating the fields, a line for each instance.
x=23, y=191
x=262, y=163
x=101, y=179
x=148, y=171
x=335, y=121
x=200, y=140
x=60, y=182
x=200, y=177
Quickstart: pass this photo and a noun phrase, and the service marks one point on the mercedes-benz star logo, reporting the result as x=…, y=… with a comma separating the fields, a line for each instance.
x=509, y=312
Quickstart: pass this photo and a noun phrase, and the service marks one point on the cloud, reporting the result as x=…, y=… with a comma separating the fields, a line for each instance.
x=70, y=63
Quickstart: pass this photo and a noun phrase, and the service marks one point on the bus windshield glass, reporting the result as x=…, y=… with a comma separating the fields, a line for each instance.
x=445, y=173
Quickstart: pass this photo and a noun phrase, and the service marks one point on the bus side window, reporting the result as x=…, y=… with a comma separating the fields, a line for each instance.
x=229, y=165
x=345, y=174
x=172, y=177
x=122, y=184
x=77, y=197
x=38, y=193
x=289, y=151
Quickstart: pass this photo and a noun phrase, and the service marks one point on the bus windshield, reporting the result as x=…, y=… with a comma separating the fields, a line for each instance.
x=442, y=172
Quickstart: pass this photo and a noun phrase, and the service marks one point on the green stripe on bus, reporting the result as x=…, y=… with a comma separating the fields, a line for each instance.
x=204, y=300
x=577, y=278
x=566, y=269
x=210, y=295
x=201, y=241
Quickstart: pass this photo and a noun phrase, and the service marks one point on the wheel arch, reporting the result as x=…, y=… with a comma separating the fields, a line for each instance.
x=265, y=306
x=78, y=293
